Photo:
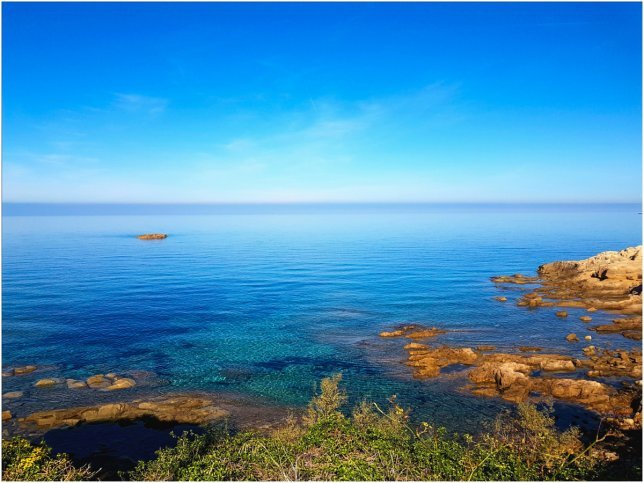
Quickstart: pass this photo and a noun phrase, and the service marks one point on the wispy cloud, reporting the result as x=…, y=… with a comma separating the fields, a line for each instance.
x=140, y=104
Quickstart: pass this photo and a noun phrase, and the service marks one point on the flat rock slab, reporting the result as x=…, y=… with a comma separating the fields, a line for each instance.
x=180, y=409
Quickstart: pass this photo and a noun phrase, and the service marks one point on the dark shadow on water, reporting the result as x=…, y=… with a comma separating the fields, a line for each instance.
x=111, y=448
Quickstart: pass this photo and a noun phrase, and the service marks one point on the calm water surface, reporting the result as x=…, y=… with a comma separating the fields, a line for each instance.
x=265, y=305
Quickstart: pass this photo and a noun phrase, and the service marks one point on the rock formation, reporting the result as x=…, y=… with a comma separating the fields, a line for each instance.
x=179, y=408
x=610, y=280
x=152, y=236
x=413, y=332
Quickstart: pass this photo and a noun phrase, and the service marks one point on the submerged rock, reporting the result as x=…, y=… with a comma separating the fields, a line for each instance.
x=12, y=395
x=48, y=382
x=6, y=415
x=19, y=371
x=501, y=299
x=120, y=383
x=516, y=279
x=562, y=314
x=530, y=348
x=572, y=338
x=75, y=384
x=98, y=381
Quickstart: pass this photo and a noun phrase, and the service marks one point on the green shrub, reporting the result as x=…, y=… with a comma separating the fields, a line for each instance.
x=22, y=460
x=368, y=444
x=373, y=444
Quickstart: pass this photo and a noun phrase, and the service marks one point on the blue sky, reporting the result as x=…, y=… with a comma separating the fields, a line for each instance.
x=322, y=102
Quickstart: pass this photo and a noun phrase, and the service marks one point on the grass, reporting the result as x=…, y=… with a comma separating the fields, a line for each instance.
x=367, y=443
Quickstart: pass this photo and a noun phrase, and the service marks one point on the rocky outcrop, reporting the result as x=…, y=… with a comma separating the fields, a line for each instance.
x=179, y=409
x=428, y=362
x=610, y=280
x=630, y=327
x=515, y=377
x=413, y=332
x=152, y=236
x=512, y=381
x=608, y=363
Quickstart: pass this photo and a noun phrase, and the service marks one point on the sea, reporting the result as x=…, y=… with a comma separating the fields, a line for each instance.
x=263, y=301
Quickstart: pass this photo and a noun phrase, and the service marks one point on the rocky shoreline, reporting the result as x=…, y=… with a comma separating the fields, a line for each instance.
x=605, y=381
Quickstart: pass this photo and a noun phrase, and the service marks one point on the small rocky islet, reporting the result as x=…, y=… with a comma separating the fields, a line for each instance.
x=152, y=236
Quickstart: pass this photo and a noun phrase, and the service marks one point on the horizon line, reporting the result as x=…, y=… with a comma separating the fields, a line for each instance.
x=315, y=203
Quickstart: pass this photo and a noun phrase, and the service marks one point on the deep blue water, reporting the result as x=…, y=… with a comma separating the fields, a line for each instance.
x=266, y=304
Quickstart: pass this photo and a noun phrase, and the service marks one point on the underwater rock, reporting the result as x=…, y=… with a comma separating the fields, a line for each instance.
x=120, y=383
x=48, y=382
x=76, y=384
x=98, y=381
x=6, y=415
x=516, y=279
x=19, y=371
x=12, y=395
x=562, y=314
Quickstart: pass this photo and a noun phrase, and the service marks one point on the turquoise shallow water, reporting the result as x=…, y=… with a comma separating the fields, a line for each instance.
x=266, y=304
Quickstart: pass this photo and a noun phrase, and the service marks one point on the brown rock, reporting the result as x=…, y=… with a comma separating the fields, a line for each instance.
x=415, y=346
x=424, y=333
x=75, y=384
x=529, y=348
x=516, y=279
x=585, y=318
x=572, y=338
x=557, y=365
x=12, y=395
x=609, y=281
x=98, y=381
x=19, y=371
x=6, y=415
x=562, y=313
x=501, y=299
x=179, y=409
x=47, y=382
x=152, y=236
x=394, y=333
x=428, y=362
x=485, y=348
x=120, y=383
